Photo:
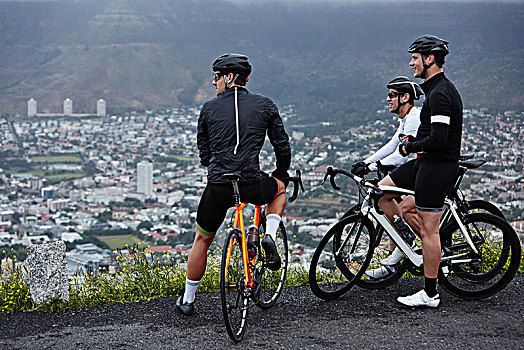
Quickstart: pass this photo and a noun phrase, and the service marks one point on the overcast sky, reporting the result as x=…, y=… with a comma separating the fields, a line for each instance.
x=368, y=1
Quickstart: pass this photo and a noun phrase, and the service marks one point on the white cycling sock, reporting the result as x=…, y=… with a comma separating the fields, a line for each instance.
x=189, y=293
x=272, y=223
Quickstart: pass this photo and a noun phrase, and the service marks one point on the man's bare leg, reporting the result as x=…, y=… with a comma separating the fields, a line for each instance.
x=387, y=203
x=274, y=211
x=278, y=204
x=429, y=231
x=197, y=261
x=409, y=213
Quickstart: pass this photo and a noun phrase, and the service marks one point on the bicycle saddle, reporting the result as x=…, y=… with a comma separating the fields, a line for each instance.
x=471, y=164
x=466, y=156
x=231, y=176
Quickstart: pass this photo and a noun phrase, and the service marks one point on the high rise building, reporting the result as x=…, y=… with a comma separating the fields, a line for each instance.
x=144, y=178
x=31, y=108
x=47, y=192
x=101, y=108
x=68, y=106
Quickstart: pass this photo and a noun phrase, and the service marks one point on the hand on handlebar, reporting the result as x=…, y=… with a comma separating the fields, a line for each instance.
x=360, y=169
x=384, y=168
x=282, y=175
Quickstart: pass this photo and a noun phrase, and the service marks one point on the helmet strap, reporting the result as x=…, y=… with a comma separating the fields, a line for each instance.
x=426, y=66
x=229, y=83
x=399, y=104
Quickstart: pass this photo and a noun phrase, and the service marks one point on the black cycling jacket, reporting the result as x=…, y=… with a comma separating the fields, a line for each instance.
x=440, y=132
x=226, y=147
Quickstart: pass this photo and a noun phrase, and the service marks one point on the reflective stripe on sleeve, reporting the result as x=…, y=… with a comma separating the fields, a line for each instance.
x=440, y=119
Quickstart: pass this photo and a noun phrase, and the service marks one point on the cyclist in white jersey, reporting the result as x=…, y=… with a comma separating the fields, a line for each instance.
x=401, y=98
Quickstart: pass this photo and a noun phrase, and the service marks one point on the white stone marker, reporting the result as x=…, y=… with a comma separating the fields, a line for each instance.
x=47, y=270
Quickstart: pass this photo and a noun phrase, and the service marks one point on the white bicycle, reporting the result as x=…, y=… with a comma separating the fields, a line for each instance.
x=481, y=251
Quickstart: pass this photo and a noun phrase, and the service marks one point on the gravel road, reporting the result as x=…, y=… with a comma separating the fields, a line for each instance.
x=361, y=319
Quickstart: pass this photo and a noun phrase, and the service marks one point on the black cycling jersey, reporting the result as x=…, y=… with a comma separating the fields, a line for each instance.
x=440, y=132
x=227, y=146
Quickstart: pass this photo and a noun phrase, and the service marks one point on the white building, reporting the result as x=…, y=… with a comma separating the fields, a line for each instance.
x=144, y=178
x=58, y=204
x=31, y=108
x=76, y=195
x=101, y=108
x=68, y=106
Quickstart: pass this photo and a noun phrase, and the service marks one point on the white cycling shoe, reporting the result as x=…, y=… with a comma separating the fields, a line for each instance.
x=420, y=299
x=393, y=258
x=381, y=272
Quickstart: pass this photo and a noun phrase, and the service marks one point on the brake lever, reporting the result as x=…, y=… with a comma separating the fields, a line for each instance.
x=332, y=181
x=325, y=178
x=297, y=184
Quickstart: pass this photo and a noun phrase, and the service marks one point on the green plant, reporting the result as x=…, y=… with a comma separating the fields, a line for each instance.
x=139, y=275
x=14, y=288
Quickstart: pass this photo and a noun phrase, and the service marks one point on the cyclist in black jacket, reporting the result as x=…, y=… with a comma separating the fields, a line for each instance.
x=433, y=172
x=231, y=131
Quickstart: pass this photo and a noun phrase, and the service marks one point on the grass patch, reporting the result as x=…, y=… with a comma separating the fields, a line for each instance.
x=189, y=159
x=120, y=241
x=57, y=159
x=53, y=176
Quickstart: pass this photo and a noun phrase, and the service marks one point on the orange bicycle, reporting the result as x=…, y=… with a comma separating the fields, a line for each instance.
x=245, y=279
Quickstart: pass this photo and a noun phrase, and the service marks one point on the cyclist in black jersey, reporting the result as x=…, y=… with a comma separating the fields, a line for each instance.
x=231, y=131
x=432, y=173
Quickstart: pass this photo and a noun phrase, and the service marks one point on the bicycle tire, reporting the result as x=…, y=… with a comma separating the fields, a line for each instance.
x=380, y=252
x=490, y=271
x=326, y=279
x=270, y=284
x=482, y=206
x=233, y=297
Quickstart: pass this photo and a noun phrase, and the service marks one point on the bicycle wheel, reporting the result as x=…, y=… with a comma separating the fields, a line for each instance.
x=332, y=261
x=354, y=244
x=482, y=206
x=377, y=276
x=269, y=284
x=477, y=276
x=233, y=296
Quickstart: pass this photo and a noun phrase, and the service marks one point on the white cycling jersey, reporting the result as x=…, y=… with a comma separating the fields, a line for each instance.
x=389, y=154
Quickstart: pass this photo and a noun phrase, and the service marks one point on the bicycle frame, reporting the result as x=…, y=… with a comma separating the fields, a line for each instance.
x=238, y=223
x=367, y=209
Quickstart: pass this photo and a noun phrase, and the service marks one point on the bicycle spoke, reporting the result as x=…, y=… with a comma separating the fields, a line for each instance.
x=467, y=274
x=269, y=284
x=340, y=258
x=232, y=288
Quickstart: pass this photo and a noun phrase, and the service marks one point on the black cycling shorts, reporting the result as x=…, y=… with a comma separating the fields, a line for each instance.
x=430, y=179
x=218, y=198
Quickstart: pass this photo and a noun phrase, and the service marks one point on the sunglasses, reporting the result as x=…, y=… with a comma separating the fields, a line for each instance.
x=216, y=77
x=393, y=94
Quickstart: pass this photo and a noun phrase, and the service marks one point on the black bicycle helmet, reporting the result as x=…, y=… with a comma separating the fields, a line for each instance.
x=404, y=84
x=232, y=63
x=427, y=44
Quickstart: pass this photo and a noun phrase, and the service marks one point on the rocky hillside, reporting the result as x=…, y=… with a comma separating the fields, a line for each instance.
x=328, y=59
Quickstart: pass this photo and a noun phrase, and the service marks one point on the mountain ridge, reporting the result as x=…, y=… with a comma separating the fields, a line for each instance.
x=327, y=59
